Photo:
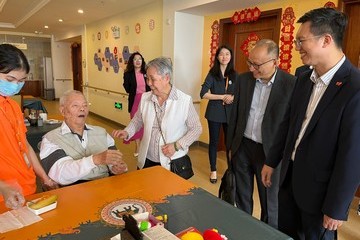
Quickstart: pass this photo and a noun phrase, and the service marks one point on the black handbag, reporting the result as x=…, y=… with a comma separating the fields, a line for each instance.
x=227, y=188
x=182, y=166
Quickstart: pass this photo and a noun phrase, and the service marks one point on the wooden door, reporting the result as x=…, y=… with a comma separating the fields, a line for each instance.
x=76, y=59
x=267, y=26
x=352, y=36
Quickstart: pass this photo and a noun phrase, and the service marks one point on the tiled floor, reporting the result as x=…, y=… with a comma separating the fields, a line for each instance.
x=349, y=231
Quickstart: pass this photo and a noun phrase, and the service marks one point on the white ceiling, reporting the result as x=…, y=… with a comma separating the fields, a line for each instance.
x=29, y=16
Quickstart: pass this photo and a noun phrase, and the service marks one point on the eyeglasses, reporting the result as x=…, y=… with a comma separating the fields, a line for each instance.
x=257, y=66
x=298, y=42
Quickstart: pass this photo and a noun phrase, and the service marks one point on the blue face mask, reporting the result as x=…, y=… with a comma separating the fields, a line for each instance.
x=9, y=88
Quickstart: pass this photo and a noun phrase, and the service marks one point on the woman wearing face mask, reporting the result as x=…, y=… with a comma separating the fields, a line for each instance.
x=135, y=85
x=218, y=88
x=18, y=160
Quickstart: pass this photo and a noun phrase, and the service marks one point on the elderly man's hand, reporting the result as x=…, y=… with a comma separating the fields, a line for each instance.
x=108, y=157
x=119, y=168
x=49, y=184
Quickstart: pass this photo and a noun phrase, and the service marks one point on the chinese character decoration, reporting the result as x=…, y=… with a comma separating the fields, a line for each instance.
x=329, y=5
x=286, y=39
x=214, y=41
x=249, y=43
x=246, y=15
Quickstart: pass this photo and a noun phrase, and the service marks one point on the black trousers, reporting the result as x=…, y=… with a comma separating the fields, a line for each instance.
x=294, y=222
x=247, y=162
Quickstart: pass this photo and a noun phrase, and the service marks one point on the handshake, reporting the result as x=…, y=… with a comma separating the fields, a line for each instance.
x=112, y=158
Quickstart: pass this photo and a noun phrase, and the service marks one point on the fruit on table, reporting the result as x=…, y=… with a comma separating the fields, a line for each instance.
x=43, y=202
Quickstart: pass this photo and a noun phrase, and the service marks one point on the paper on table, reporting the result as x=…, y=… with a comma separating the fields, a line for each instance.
x=18, y=218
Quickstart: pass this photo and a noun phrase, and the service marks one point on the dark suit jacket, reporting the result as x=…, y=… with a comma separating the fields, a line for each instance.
x=130, y=87
x=302, y=69
x=276, y=107
x=215, y=110
x=326, y=169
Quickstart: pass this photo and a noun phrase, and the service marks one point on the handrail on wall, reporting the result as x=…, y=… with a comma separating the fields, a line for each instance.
x=124, y=94
x=104, y=90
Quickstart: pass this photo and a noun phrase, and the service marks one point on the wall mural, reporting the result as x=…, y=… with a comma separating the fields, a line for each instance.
x=115, y=32
x=107, y=59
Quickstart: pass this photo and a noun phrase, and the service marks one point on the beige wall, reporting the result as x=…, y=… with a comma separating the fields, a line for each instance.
x=299, y=7
x=148, y=42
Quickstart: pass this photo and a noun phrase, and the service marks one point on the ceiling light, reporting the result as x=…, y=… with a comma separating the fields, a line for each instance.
x=80, y=11
x=46, y=26
x=60, y=20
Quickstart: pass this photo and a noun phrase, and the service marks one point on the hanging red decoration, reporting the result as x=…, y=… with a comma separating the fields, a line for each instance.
x=236, y=18
x=329, y=5
x=256, y=13
x=214, y=41
x=286, y=39
x=249, y=43
x=246, y=15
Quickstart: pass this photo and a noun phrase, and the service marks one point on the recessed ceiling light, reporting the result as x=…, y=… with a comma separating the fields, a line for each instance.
x=46, y=26
x=80, y=11
x=60, y=20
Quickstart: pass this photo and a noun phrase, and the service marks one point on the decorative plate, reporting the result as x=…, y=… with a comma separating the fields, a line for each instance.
x=137, y=28
x=151, y=24
x=113, y=212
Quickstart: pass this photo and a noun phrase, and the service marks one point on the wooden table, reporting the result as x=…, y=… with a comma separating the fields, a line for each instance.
x=79, y=209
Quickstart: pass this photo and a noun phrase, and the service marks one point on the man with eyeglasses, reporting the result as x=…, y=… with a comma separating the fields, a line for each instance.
x=261, y=99
x=320, y=168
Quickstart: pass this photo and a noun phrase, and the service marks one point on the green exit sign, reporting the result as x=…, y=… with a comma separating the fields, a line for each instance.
x=118, y=105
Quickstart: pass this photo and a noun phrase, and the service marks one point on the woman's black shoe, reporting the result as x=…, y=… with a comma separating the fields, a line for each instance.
x=213, y=180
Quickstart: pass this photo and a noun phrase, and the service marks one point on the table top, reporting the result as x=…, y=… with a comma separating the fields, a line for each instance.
x=85, y=208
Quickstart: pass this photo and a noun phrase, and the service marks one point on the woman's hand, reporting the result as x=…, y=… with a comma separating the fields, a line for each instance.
x=168, y=150
x=228, y=99
x=12, y=196
x=120, y=134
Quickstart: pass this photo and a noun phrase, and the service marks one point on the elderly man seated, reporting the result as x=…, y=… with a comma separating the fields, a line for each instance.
x=77, y=152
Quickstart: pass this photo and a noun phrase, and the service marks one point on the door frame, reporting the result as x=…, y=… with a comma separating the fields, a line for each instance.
x=270, y=13
x=76, y=62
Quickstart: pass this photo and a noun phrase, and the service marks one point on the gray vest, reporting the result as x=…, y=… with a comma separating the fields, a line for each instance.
x=97, y=143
